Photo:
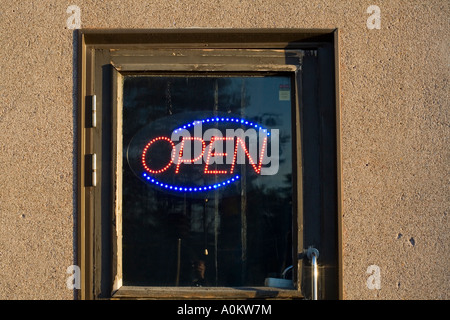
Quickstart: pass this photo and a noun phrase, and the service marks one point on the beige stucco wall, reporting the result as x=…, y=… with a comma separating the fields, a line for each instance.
x=395, y=133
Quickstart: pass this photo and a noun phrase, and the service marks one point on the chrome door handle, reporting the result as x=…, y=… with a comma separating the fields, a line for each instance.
x=313, y=255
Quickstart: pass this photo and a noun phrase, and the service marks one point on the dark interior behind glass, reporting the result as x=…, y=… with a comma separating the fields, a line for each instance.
x=234, y=238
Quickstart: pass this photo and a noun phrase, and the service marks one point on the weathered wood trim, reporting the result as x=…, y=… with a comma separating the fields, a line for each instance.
x=117, y=159
x=132, y=292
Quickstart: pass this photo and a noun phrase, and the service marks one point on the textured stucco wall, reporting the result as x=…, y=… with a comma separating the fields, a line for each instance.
x=395, y=133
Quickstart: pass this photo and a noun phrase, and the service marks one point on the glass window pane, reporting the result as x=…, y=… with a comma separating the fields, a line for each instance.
x=204, y=211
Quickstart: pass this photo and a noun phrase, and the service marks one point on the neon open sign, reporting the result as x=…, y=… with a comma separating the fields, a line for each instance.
x=204, y=154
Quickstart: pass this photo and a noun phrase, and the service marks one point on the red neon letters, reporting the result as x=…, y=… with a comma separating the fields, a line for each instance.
x=144, y=154
x=177, y=158
x=213, y=140
x=180, y=154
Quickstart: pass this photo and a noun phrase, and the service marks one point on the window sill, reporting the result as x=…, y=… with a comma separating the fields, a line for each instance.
x=180, y=293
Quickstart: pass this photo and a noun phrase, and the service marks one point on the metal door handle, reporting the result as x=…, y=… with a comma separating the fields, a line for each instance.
x=313, y=255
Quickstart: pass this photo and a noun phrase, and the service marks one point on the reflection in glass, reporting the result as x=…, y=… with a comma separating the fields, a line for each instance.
x=234, y=238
